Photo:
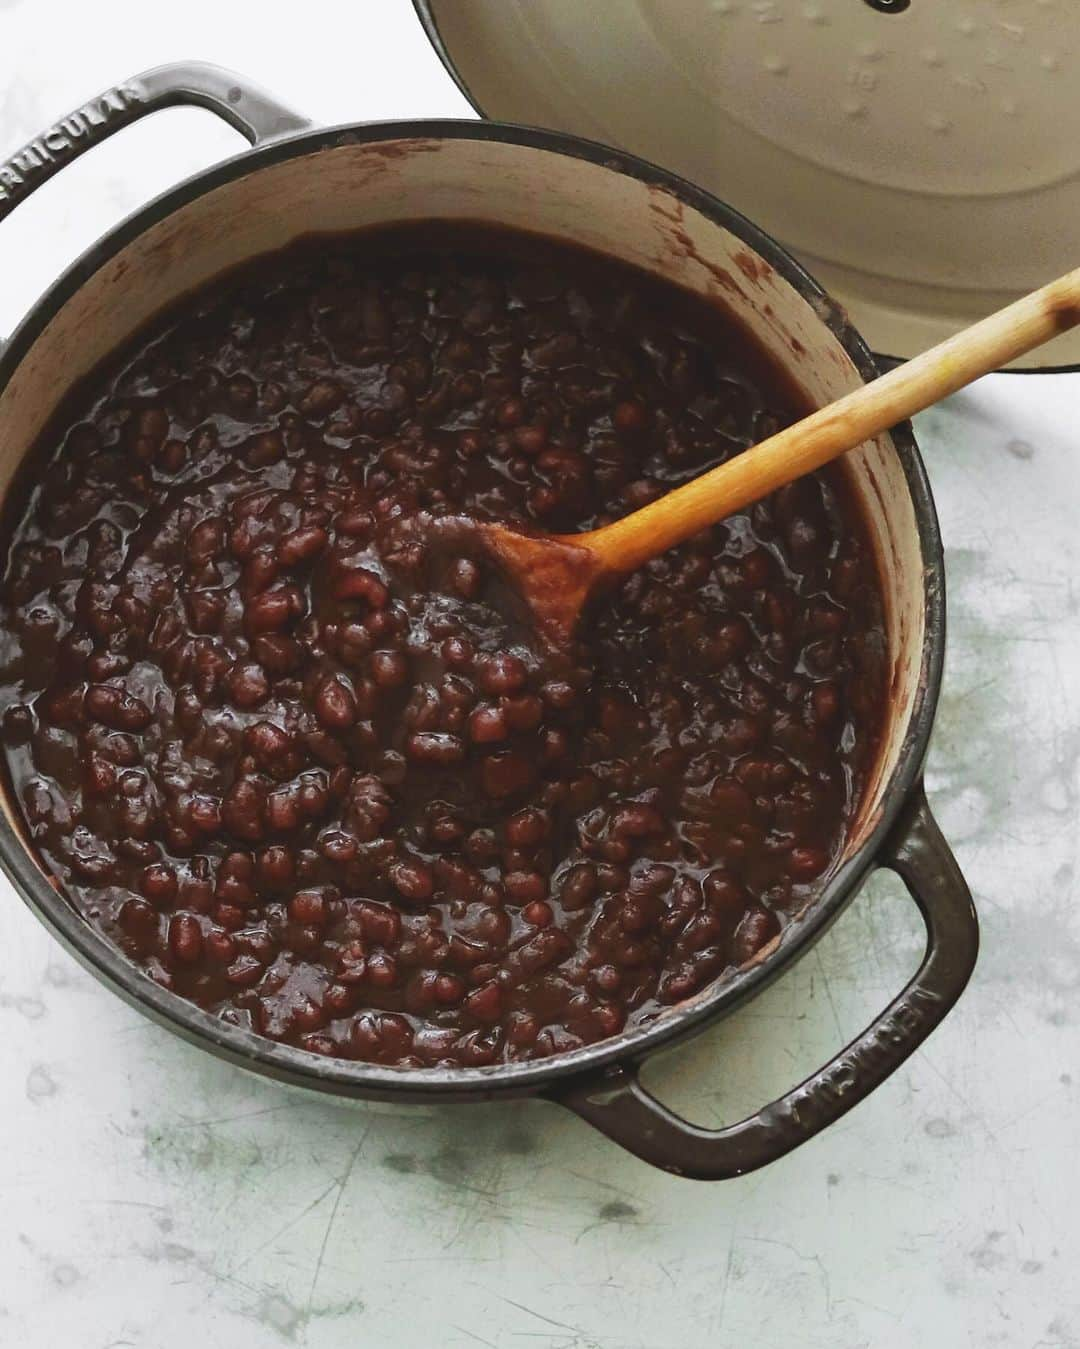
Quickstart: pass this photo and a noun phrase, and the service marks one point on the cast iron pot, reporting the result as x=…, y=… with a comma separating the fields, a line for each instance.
x=298, y=180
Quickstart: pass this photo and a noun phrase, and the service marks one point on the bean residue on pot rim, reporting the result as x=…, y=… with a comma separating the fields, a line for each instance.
x=279, y=732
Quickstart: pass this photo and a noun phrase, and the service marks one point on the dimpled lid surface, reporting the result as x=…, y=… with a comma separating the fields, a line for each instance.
x=922, y=159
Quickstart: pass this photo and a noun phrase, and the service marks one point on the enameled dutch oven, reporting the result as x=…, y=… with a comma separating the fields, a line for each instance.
x=297, y=181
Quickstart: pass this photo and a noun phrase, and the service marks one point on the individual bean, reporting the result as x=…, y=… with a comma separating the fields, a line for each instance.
x=580, y=886
x=268, y=743
x=219, y=946
x=637, y=820
x=274, y=866
x=335, y=704
x=159, y=884
x=412, y=880
x=435, y=748
x=114, y=707
x=629, y=417
x=538, y=913
x=510, y=412
x=185, y=938
x=278, y=654
x=527, y=828
x=99, y=776
x=204, y=813
x=485, y=1003
x=207, y=540
x=309, y=906
x=389, y=669
x=321, y=397
x=283, y=812
x=247, y=684
x=359, y=583
x=272, y=610
x=502, y=672
x=242, y=810
x=807, y=863
x=301, y=545
x=757, y=928
x=260, y=571
x=245, y=971
x=448, y=989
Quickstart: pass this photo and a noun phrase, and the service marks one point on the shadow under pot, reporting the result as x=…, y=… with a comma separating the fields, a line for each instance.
x=296, y=181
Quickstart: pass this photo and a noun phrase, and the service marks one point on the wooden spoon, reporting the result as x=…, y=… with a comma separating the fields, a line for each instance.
x=557, y=573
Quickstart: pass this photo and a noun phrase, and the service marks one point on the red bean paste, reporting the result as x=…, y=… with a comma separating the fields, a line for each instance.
x=280, y=731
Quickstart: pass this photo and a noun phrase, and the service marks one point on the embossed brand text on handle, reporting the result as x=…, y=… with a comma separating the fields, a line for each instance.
x=58, y=144
x=871, y=1057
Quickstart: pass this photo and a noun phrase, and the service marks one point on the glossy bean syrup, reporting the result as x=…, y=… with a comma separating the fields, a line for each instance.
x=280, y=731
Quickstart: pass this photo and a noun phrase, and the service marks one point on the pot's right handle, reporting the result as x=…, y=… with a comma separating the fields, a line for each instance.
x=619, y=1106
x=256, y=115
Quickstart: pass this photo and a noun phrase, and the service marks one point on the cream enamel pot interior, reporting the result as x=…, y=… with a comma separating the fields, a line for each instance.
x=298, y=181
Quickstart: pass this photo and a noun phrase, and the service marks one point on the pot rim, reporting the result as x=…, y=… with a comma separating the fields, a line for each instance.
x=343, y=1076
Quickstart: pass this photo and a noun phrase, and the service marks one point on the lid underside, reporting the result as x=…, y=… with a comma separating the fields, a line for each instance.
x=924, y=162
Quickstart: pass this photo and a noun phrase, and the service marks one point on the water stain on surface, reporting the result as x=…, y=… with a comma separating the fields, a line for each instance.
x=618, y=1211
x=988, y=1254
x=519, y=1144
x=290, y=1322
x=65, y=1275
x=939, y=1128
x=1059, y=1335
x=40, y=1083
x=278, y=1314
x=194, y=1147
x=30, y=1007
x=401, y=1162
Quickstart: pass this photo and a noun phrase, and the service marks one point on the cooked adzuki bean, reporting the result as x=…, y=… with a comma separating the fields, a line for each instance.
x=280, y=731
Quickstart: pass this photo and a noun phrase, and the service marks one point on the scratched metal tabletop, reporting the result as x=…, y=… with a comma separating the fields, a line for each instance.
x=155, y=1197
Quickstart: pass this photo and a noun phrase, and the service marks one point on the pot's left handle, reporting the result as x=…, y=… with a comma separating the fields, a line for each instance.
x=255, y=114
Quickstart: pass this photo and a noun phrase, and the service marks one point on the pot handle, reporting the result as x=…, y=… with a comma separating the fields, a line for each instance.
x=257, y=116
x=619, y=1106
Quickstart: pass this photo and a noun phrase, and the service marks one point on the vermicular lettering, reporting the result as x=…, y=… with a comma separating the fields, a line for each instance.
x=50, y=149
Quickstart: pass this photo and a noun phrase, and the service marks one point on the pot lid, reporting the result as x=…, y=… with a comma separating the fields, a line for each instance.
x=922, y=159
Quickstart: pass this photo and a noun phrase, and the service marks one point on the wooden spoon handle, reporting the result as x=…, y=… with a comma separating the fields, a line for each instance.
x=869, y=410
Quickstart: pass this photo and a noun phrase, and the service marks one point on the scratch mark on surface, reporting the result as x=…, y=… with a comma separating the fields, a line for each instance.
x=928, y=1062
x=286, y=1226
x=726, y=1284
x=333, y=1216
x=233, y=1119
x=562, y=1325
x=478, y=1338
x=228, y=1279
x=874, y=1306
x=133, y=1203
x=808, y=1259
x=441, y=1260
x=603, y=1184
x=828, y=994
